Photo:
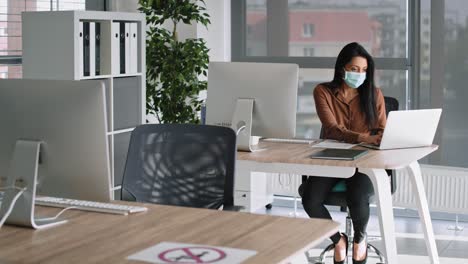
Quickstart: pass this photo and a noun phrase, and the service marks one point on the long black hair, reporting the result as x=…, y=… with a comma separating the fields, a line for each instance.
x=367, y=89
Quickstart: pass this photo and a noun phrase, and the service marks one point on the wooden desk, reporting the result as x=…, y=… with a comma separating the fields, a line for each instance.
x=105, y=238
x=293, y=158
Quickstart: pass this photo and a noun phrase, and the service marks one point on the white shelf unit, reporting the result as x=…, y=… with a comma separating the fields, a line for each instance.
x=51, y=50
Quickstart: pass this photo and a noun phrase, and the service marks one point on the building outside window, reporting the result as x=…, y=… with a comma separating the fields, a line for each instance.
x=10, y=29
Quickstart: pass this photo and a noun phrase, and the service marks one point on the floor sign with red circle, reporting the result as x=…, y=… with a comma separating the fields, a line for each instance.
x=192, y=255
x=170, y=252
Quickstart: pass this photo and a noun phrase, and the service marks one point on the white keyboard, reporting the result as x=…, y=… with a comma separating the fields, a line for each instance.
x=89, y=205
x=288, y=140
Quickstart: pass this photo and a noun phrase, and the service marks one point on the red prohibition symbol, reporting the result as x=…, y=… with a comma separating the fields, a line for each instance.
x=192, y=255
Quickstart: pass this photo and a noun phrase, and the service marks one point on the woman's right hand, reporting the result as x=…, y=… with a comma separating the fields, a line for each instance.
x=374, y=139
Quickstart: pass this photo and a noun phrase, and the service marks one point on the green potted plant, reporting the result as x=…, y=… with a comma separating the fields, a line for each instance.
x=174, y=66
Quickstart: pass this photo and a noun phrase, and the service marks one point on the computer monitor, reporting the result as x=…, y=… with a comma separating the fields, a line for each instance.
x=69, y=118
x=262, y=95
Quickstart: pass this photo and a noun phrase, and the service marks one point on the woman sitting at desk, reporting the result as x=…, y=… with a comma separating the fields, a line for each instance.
x=352, y=110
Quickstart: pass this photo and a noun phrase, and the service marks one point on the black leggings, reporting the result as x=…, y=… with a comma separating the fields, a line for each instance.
x=359, y=189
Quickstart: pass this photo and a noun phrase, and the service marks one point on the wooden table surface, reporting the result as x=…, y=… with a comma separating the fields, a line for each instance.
x=293, y=153
x=105, y=238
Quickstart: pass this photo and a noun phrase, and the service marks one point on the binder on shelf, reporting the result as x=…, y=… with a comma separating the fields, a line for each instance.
x=97, y=58
x=80, y=50
x=86, y=49
x=122, y=48
x=133, y=57
x=127, y=47
x=92, y=48
x=115, y=48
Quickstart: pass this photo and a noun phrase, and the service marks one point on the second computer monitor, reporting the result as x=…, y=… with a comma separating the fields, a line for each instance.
x=272, y=86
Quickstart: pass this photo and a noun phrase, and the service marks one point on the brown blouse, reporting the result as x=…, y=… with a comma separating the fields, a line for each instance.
x=342, y=118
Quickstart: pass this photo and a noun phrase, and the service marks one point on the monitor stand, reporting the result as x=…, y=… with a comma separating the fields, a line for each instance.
x=242, y=125
x=23, y=173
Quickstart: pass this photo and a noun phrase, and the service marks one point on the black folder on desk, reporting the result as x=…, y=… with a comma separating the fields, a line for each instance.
x=338, y=154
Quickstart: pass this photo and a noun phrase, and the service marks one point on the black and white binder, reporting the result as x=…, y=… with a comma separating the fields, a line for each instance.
x=127, y=47
x=133, y=57
x=86, y=49
x=92, y=48
x=80, y=49
x=115, y=47
x=123, y=41
x=97, y=57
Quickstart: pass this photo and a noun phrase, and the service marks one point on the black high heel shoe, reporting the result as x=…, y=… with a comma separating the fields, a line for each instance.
x=346, y=256
x=364, y=261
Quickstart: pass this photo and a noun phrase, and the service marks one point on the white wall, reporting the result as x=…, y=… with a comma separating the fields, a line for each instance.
x=218, y=34
x=123, y=5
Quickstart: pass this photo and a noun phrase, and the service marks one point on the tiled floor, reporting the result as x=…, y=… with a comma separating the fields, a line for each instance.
x=452, y=245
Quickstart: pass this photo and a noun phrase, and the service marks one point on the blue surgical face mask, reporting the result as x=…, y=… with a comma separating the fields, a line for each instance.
x=354, y=79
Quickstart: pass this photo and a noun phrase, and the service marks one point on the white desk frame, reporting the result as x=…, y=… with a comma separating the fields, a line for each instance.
x=381, y=183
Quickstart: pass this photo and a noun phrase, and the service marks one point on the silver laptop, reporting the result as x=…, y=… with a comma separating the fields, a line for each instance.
x=409, y=129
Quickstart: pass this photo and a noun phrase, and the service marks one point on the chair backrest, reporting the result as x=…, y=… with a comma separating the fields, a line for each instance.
x=181, y=164
x=391, y=104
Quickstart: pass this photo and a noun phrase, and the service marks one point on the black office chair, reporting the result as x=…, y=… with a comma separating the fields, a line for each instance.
x=181, y=164
x=337, y=197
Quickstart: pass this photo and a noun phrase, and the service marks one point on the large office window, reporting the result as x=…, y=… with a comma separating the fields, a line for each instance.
x=10, y=29
x=419, y=47
x=312, y=32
